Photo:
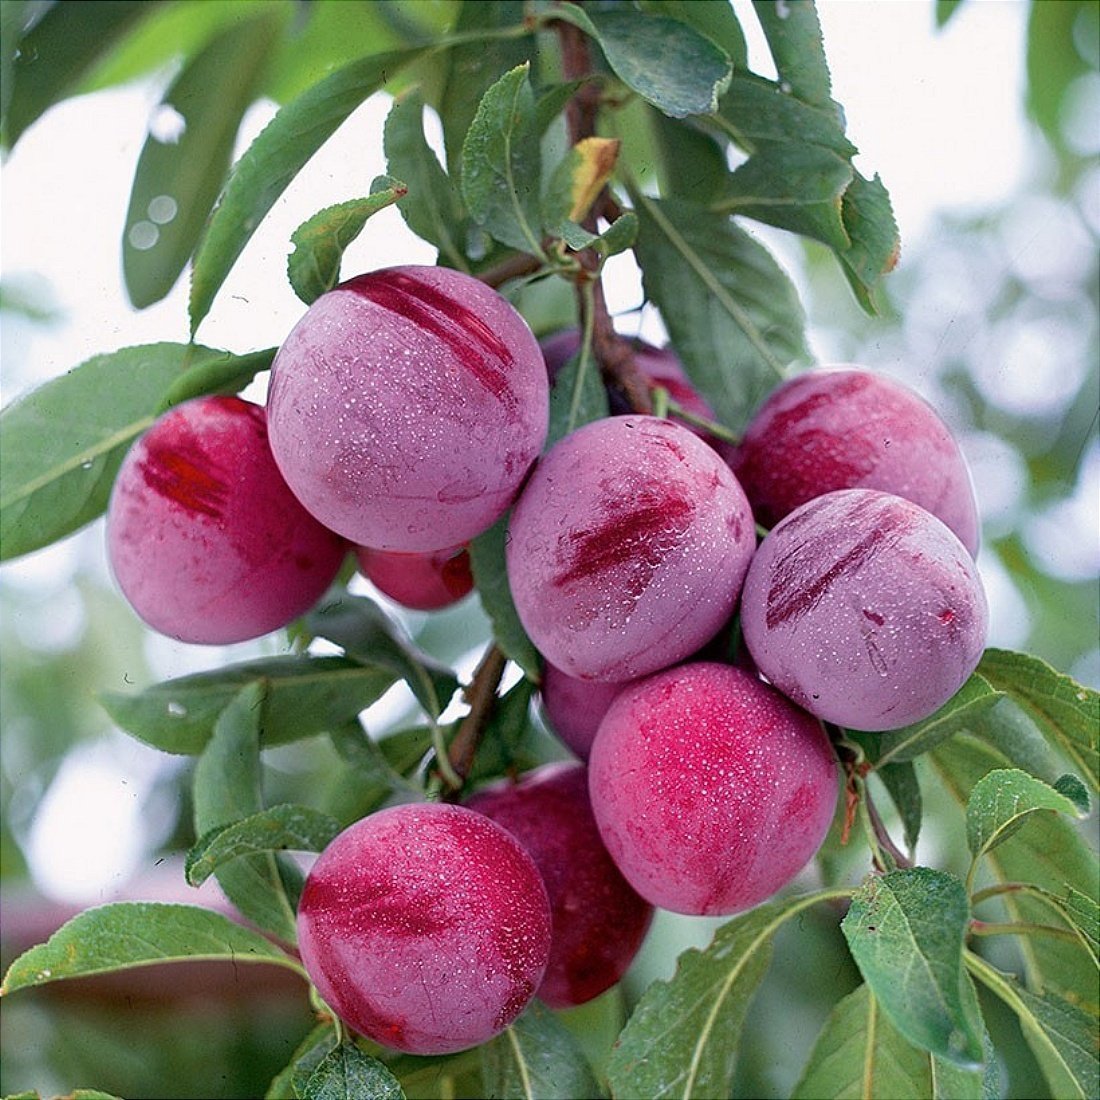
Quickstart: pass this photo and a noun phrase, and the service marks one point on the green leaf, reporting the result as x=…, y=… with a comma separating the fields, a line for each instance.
x=860, y=1054
x=945, y=9
x=226, y=788
x=1083, y=912
x=304, y=696
x=346, y=1073
x=279, y=828
x=870, y=225
x=227, y=374
x=1062, y=1036
x=618, y=237
x=432, y=208
x=178, y=178
x=62, y=443
x=905, y=930
x=319, y=243
x=274, y=159
x=322, y=1038
x=370, y=637
x=501, y=163
x=138, y=933
x=1066, y=713
x=537, y=1058
x=1054, y=62
x=57, y=52
x=734, y=317
x=1001, y=802
x=691, y=164
x=715, y=19
x=681, y=1040
x=793, y=32
x=904, y=787
x=577, y=397
x=505, y=747
x=487, y=562
x=577, y=181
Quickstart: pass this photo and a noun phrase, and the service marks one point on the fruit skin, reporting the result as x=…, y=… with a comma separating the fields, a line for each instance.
x=627, y=548
x=425, y=927
x=575, y=707
x=422, y=582
x=711, y=791
x=205, y=538
x=406, y=407
x=846, y=428
x=599, y=922
x=864, y=609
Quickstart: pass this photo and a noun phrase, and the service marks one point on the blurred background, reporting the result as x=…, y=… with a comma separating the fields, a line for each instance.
x=986, y=133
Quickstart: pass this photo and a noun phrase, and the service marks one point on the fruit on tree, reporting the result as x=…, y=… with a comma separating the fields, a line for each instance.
x=864, y=609
x=205, y=539
x=575, y=707
x=406, y=407
x=627, y=548
x=425, y=927
x=846, y=428
x=599, y=921
x=710, y=789
x=422, y=582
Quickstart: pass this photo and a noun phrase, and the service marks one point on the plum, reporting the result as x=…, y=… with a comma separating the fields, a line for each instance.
x=865, y=609
x=846, y=428
x=627, y=548
x=575, y=707
x=406, y=407
x=422, y=582
x=204, y=537
x=710, y=789
x=425, y=927
x=598, y=920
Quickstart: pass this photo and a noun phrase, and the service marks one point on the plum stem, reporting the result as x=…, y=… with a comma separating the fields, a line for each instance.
x=882, y=837
x=514, y=267
x=712, y=427
x=480, y=694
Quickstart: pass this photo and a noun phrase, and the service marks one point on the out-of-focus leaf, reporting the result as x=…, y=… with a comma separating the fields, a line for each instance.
x=869, y=222
x=1054, y=62
x=369, y=636
x=304, y=696
x=49, y=60
x=226, y=788
x=906, y=930
x=902, y=783
x=278, y=828
x=734, y=317
x=180, y=172
x=432, y=208
x=501, y=163
x=577, y=397
x=274, y=159
x=491, y=578
x=226, y=374
x=1065, y=712
x=346, y=1073
x=537, y=1058
x=793, y=31
x=945, y=9
x=715, y=19
x=138, y=933
x=62, y=443
x=319, y=243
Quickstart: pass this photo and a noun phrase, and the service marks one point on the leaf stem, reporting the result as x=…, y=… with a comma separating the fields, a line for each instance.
x=710, y=426
x=1019, y=928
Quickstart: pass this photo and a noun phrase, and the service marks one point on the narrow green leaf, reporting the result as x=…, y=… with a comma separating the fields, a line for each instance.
x=734, y=317
x=793, y=31
x=138, y=933
x=304, y=696
x=57, y=52
x=227, y=374
x=278, y=828
x=714, y=19
x=62, y=443
x=905, y=930
x=274, y=159
x=1066, y=713
x=491, y=578
x=346, y=1073
x=178, y=177
x=869, y=222
x=681, y=1040
x=322, y=1037
x=1001, y=802
x=860, y=1054
x=904, y=787
x=577, y=397
x=432, y=208
x=537, y=1058
x=226, y=788
x=319, y=243
x=370, y=637
x=501, y=163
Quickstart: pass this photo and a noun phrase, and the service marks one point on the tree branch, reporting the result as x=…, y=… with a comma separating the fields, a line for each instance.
x=480, y=693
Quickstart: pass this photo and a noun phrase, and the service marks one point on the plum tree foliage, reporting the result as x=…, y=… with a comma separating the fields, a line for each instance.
x=756, y=712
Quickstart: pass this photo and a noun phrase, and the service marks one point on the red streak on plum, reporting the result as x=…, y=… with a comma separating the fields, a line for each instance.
x=480, y=350
x=185, y=478
x=383, y=906
x=874, y=616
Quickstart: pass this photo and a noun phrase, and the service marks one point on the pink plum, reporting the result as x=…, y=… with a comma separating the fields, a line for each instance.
x=598, y=920
x=575, y=707
x=425, y=927
x=407, y=406
x=710, y=789
x=205, y=539
x=423, y=582
x=864, y=609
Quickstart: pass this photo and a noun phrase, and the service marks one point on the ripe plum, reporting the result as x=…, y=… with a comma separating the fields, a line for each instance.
x=575, y=707
x=423, y=582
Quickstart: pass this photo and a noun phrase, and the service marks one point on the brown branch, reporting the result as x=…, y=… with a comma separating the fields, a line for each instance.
x=480, y=693
x=514, y=267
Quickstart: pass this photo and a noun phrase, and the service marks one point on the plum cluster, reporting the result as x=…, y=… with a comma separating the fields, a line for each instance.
x=407, y=412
